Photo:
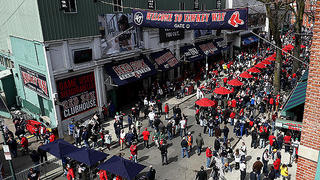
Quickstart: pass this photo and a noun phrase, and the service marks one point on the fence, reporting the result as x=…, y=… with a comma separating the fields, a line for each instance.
x=48, y=170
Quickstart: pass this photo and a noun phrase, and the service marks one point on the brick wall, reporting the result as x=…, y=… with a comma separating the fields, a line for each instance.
x=310, y=135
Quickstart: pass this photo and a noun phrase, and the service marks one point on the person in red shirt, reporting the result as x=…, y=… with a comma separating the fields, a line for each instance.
x=70, y=174
x=134, y=152
x=166, y=110
x=234, y=103
x=52, y=137
x=118, y=178
x=208, y=155
x=232, y=116
x=146, y=135
x=271, y=103
x=103, y=174
x=272, y=138
x=276, y=165
x=24, y=144
x=287, y=142
x=277, y=102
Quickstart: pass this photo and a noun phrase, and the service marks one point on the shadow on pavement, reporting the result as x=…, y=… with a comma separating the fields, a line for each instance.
x=173, y=159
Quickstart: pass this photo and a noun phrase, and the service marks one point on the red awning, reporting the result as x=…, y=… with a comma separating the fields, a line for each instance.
x=246, y=75
x=260, y=65
x=222, y=90
x=235, y=82
x=205, y=102
x=254, y=70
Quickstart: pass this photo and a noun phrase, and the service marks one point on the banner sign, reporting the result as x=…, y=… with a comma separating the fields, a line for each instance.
x=130, y=70
x=208, y=47
x=34, y=81
x=191, y=53
x=164, y=59
x=77, y=94
x=231, y=19
x=167, y=35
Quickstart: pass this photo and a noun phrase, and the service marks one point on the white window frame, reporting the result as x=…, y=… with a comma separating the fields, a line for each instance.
x=121, y=4
x=182, y=4
x=76, y=8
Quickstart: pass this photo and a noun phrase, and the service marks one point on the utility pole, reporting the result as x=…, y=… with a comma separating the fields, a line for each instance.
x=5, y=143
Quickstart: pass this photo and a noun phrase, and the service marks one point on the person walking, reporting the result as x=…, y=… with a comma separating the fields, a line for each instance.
x=200, y=143
x=169, y=129
x=85, y=137
x=35, y=157
x=24, y=144
x=70, y=173
x=208, y=155
x=257, y=167
x=243, y=169
x=108, y=139
x=164, y=152
x=225, y=134
x=190, y=141
x=102, y=174
x=42, y=153
x=77, y=136
x=237, y=158
x=122, y=139
x=284, y=172
x=166, y=110
x=201, y=175
x=146, y=135
x=134, y=152
x=13, y=146
x=265, y=160
x=276, y=165
x=184, y=147
x=271, y=174
x=151, y=175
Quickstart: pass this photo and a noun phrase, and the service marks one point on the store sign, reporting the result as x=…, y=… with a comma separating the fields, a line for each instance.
x=131, y=69
x=233, y=19
x=292, y=126
x=167, y=58
x=208, y=48
x=34, y=81
x=167, y=35
x=77, y=94
x=191, y=53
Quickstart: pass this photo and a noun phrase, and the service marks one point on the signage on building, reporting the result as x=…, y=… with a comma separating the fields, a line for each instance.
x=166, y=59
x=131, y=69
x=77, y=94
x=34, y=81
x=208, y=48
x=191, y=53
x=167, y=35
x=151, y=4
x=118, y=33
x=233, y=19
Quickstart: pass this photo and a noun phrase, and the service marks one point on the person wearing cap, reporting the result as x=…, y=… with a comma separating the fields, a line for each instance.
x=151, y=175
x=201, y=175
x=184, y=147
x=164, y=151
x=33, y=174
x=146, y=135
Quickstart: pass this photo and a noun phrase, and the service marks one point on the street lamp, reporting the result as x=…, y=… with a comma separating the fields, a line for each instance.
x=207, y=66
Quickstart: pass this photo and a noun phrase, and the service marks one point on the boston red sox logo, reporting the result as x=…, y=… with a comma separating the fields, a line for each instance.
x=234, y=20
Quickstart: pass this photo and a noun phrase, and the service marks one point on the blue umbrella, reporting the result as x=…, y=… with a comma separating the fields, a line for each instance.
x=122, y=167
x=59, y=148
x=87, y=156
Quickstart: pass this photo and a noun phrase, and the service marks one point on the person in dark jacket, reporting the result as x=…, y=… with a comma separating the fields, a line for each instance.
x=216, y=145
x=151, y=173
x=201, y=175
x=184, y=147
x=272, y=174
x=257, y=167
x=164, y=152
x=35, y=157
x=13, y=146
x=200, y=143
x=42, y=153
x=85, y=137
x=225, y=134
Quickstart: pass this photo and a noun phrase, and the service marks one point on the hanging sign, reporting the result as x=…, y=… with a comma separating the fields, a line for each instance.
x=234, y=19
x=167, y=35
x=77, y=94
x=34, y=81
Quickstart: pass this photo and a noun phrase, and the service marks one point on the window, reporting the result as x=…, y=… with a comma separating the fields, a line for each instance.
x=117, y=7
x=196, y=4
x=81, y=56
x=151, y=4
x=218, y=4
x=203, y=6
x=181, y=6
x=69, y=6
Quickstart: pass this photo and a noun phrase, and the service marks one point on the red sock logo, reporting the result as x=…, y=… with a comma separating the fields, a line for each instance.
x=235, y=19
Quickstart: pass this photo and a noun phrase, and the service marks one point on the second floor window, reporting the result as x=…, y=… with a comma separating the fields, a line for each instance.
x=181, y=6
x=69, y=6
x=117, y=7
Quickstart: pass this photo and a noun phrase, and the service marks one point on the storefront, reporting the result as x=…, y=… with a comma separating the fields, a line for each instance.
x=128, y=77
x=192, y=57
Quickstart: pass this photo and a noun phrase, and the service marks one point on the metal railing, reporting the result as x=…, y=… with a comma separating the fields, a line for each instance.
x=48, y=170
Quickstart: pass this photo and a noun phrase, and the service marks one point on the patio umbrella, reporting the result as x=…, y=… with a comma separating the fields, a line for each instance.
x=260, y=65
x=87, y=156
x=222, y=90
x=266, y=62
x=122, y=167
x=205, y=102
x=270, y=58
x=235, y=82
x=254, y=70
x=59, y=148
x=245, y=75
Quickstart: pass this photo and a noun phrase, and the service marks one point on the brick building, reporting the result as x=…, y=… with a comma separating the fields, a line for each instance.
x=309, y=162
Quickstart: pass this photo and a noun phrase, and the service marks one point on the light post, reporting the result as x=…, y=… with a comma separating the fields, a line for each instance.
x=5, y=143
x=207, y=66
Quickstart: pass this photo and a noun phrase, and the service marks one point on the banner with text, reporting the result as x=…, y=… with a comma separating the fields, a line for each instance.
x=77, y=94
x=233, y=19
x=34, y=81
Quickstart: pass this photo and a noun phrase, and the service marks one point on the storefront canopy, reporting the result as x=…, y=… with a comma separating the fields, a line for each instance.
x=191, y=53
x=298, y=96
x=164, y=59
x=249, y=40
x=208, y=47
x=221, y=44
x=130, y=70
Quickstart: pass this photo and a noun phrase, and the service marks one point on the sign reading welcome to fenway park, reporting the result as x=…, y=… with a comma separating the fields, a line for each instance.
x=77, y=94
x=233, y=19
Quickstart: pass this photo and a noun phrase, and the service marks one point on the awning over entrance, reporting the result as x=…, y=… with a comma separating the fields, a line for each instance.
x=298, y=97
x=221, y=44
x=305, y=75
x=191, y=53
x=164, y=59
x=292, y=125
x=208, y=47
x=249, y=40
x=130, y=70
